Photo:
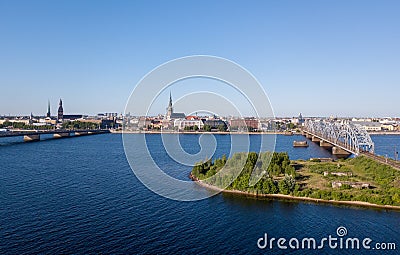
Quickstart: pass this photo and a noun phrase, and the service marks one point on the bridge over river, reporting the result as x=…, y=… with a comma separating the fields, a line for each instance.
x=34, y=135
x=343, y=138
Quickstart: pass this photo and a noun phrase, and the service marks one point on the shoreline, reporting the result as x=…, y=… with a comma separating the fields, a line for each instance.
x=384, y=133
x=231, y=133
x=290, y=197
x=200, y=132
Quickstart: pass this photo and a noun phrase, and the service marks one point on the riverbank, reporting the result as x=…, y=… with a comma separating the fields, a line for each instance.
x=290, y=197
x=232, y=133
x=199, y=132
x=384, y=132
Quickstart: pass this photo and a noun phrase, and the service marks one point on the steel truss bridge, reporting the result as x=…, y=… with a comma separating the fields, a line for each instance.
x=342, y=137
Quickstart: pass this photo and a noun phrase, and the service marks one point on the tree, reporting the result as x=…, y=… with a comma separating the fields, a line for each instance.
x=291, y=126
x=207, y=128
x=283, y=187
x=269, y=186
x=222, y=128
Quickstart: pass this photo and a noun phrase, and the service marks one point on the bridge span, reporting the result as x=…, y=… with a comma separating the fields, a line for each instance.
x=343, y=138
x=34, y=135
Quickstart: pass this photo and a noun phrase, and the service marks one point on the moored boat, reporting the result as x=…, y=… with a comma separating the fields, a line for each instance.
x=300, y=144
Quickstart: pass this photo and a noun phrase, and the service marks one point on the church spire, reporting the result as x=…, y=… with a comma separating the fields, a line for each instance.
x=48, y=109
x=60, y=115
x=170, y=110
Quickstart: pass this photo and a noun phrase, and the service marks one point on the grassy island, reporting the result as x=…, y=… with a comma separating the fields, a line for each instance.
x=358, y=180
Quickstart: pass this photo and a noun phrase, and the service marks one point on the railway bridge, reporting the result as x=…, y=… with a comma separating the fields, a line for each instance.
x=343, y=138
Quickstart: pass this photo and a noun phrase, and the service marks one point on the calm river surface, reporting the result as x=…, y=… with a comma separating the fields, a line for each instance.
x=79, y=196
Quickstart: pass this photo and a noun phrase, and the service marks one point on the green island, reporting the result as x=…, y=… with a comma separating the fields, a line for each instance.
x=359, y=180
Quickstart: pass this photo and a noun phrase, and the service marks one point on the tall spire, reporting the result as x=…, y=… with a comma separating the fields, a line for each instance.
x=48, y=109
x=60, y=115
x=170, y=110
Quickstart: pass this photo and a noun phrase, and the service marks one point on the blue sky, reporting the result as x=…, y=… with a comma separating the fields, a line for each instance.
x=320, y=58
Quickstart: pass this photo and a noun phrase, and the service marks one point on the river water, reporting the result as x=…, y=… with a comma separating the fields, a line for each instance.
x=79, y=196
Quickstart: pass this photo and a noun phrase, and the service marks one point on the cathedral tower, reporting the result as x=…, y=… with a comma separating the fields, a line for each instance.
x=60, y=115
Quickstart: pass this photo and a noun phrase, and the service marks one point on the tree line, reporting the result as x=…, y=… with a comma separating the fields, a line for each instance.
x=272, y=170
x=276, y=175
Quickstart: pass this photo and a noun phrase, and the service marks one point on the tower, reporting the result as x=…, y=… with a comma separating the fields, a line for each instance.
x=300, y=119
x=170, y=110
x=48, y=109
x=60, y=115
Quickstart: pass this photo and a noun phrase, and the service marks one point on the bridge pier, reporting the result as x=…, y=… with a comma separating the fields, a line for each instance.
x=61, y=135
x=31, y=138
x=315, y=139
x=81, y=133
x=339, y=152
x=308, y=136
x=325, y=144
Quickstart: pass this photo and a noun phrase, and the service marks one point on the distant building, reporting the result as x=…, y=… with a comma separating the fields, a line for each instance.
x=181, y=124
x=47, y=121
x=144, y=123
x=107, y=115
x=244, y=124
x=108, y=124
x=156, y=123
x=389, y=127
x=170, y=111
x=72, y=116
x=60, y=115
x=300, y=120
x=369, y=126
x=216, y=123
x=190, y=117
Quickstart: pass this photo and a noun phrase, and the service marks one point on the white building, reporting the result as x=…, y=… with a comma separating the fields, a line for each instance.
x=369, y=126
x=389, y=127
x=182, y=123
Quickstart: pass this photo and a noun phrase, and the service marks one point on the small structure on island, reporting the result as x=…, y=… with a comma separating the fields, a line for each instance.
x=357, y=185
x=338, y=173
x=321, y=159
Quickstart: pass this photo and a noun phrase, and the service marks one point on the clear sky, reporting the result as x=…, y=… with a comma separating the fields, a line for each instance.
x=320, y=58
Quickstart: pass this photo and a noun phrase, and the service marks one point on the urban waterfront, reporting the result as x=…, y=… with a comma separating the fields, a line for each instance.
x=80, y=196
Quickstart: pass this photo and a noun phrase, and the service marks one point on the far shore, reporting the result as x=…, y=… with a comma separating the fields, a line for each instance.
x=384, y=133
x=290, y=197
x=199, y=132
x=232, y=133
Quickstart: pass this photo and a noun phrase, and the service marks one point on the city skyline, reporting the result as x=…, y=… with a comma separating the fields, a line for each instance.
x=314, y=57
x=55, y=113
